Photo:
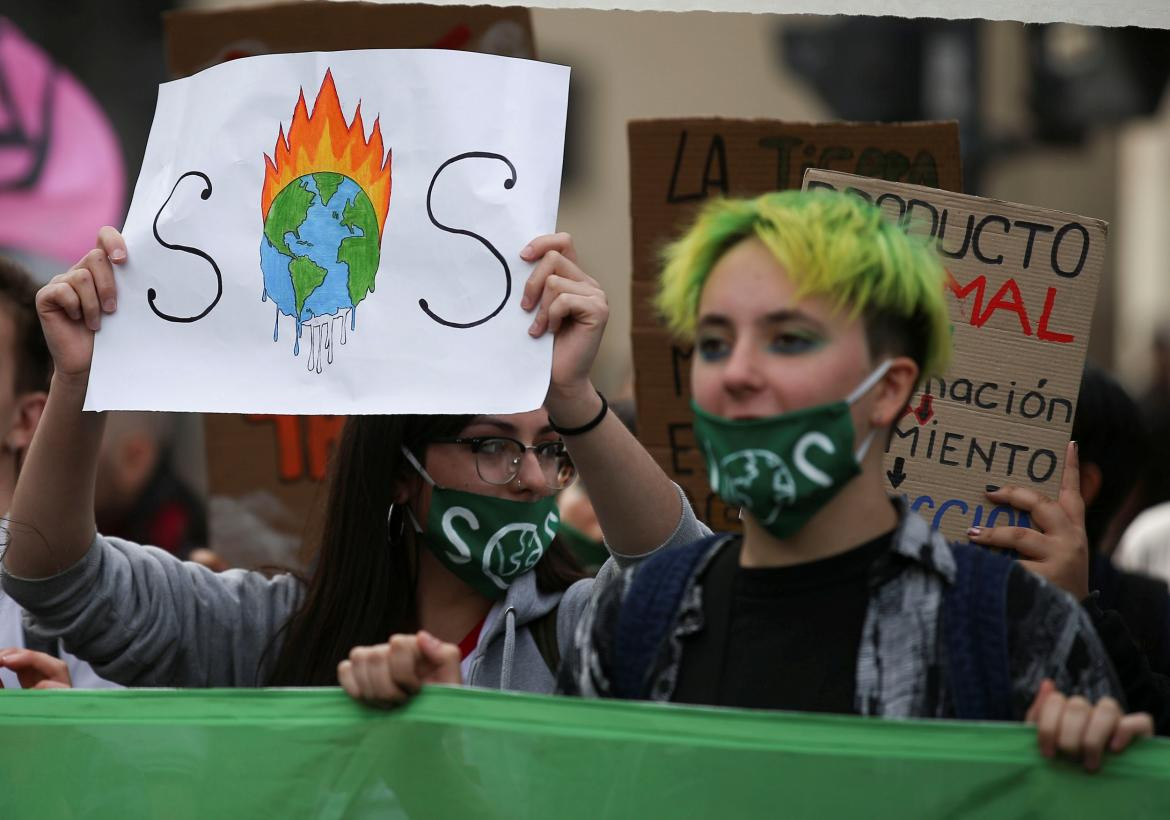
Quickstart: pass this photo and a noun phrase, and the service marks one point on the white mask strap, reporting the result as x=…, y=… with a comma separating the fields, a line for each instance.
x=870, y=380
x=863, y=388
x=413, y=520
x=414, y=462
x=409, y=512
x=864, y=448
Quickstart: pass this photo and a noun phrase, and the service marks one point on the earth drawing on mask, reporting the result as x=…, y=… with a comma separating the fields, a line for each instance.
x=753, y=474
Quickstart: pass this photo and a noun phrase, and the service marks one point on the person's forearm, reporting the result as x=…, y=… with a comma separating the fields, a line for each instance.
x=51, y=520
x=637, y=506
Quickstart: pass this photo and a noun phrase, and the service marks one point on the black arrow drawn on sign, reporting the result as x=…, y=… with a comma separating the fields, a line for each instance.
x=896, y=475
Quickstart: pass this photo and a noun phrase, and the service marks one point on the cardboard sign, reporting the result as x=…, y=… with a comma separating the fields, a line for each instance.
x=197, y=39
x=676, y=165
x=273, y=466
x=1021, y=287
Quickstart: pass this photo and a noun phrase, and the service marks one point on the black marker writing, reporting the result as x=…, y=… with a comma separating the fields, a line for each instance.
x=716, y=162
x=508, y=183
x=150, y=294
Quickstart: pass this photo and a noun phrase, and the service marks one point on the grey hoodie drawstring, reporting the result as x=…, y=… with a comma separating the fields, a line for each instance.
x=509, y=648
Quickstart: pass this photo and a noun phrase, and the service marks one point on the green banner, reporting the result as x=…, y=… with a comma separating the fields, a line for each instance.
x=464, y=753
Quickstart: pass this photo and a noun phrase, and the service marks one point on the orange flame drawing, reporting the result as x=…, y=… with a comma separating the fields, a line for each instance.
x=322, y=141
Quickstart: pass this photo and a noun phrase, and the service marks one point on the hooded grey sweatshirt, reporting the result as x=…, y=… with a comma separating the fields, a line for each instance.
x=141, y=617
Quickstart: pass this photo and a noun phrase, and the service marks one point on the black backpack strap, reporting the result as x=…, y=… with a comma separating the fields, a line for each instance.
x=649, y=610
x=544, y=633
x=39, y=644
x=975, y=635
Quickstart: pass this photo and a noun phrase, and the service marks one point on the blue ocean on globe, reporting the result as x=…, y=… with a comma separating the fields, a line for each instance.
x=323, y=236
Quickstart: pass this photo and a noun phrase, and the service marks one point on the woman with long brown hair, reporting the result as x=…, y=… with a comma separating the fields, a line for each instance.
x=439, y=529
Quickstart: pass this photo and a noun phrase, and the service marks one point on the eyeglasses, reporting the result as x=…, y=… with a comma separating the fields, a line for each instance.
x=497, y=459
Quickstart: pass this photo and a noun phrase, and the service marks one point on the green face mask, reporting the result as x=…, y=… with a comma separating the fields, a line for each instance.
x=784, y=468
x=486, y=542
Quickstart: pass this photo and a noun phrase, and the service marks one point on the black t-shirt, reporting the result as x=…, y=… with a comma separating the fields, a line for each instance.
x=780, y=637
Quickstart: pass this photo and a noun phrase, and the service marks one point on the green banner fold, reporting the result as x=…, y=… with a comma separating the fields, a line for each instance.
x=472, y=753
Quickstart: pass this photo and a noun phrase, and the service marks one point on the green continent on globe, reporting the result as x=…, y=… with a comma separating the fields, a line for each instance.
x=360, y=253
x=327, y=184
x=307, y=276
x=287, y=213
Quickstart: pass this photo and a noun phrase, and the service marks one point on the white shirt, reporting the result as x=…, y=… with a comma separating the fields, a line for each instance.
x=1145, y=545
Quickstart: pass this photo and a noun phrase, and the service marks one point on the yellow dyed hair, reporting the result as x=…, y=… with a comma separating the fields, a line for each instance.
x=832, y=245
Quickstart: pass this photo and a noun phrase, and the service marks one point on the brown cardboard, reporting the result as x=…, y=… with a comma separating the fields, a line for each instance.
x=285, y=456
x=197, y=39
x=676, y=165
x=1017, y=346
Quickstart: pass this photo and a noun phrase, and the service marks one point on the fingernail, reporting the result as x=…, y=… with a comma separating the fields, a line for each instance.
x=117, y=255
x=527, y=252
x=110, y=306
x=525, y=304
x=532, y=329
x=974, y=532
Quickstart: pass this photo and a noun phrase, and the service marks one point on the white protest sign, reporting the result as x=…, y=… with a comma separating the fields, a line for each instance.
x=338, y=233
x=1144, y=13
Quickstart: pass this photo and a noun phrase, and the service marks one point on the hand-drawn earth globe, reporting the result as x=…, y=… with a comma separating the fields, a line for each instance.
x=758, y=474
x=319, y=253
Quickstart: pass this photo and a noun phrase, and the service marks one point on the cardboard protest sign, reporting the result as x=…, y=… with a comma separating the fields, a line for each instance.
x=279, y=280
x=198, y=38
x=1021, y=287
x=271, y=470
x=675, y=165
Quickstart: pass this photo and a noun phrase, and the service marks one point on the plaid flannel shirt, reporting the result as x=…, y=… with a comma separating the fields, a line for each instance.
x=900, y=663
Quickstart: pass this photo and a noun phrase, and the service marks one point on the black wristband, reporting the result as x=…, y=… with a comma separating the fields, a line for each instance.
x=587, y=426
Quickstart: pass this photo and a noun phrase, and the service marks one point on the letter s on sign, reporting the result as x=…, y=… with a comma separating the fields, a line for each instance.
x=509, y=182
x=151, y=295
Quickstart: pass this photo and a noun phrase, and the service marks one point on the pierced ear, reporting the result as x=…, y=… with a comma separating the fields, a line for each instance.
x=405, y=489
x=27, y=415
x=894, y=391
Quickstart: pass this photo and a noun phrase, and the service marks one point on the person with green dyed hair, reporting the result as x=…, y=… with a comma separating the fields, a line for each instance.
x=813, y=320
x=832, y=246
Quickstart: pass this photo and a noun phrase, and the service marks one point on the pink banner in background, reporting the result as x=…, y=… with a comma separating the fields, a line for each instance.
x=61, y=174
